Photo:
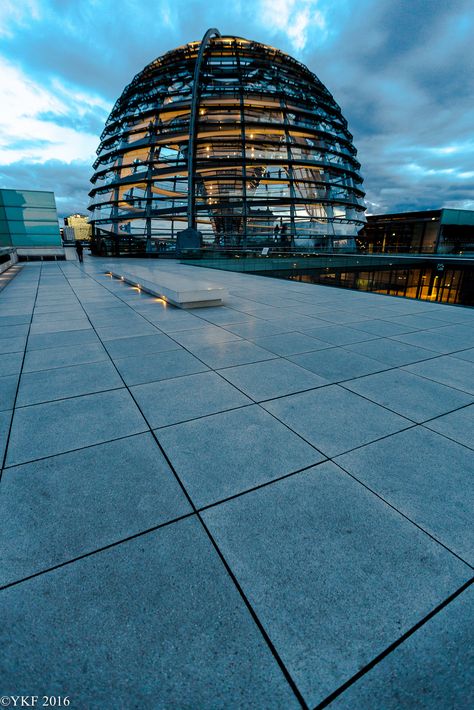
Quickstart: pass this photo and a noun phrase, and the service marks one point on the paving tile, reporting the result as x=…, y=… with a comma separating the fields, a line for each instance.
x=177, y=400
x=7, y=321
x=156, y=622
x=204, y=336
x=137, y=346
x=273, y=378
x=118, y=330
x=384, y=328
x=221, y=315
x=158, y=366
x=465, y=355
x=334, y=420
x=224, y=454
x=432, y=340
x=450, y=371
x=290, y=343
x=427, y=478
x=431, y=669
x=8, y=387
x=58, y=508
x=5, y=419
x=339, y=334
x=50, y=358
x=421, y=321
x=338, y=364
x=62, y=382
x=333, y=573
x=10, y=363
x=256, y=329
x=458, y=425
x=59, y=326
x=411, y=396
x=56, y=427
x=13, y=331
x=391, y=352
x=12, y=345
x=57, y=340
x=239, y=352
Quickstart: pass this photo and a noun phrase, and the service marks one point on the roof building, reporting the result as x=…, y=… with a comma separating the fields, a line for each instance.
x=441, y=231
x=233, y=138
x=77, y=227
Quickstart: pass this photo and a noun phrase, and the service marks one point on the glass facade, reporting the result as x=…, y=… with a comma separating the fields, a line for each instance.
x=441, y=231
x=231, y=137
x=28, y=218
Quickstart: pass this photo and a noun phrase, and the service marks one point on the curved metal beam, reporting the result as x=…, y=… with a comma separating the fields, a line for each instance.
x=213, y=32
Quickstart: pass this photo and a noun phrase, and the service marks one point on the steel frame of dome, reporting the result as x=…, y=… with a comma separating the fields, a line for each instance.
x=234, y=138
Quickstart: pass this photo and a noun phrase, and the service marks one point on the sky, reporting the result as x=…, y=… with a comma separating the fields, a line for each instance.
x=402, y=72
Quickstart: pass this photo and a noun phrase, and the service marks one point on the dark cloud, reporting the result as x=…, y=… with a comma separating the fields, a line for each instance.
x=69, y=182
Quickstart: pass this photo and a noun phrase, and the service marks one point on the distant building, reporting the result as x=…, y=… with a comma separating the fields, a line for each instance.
x=442, y=231
x=77, y=227
x=28, y=218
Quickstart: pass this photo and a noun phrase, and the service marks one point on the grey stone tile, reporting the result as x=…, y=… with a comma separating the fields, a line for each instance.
x=384, y=328
x=462, y=334
x=14, y=331
x=59, y=326
x=340, y=334
x=155, y=622
x=7, y=321
x=58, y=340
x=421, y=321
x=125, y=330
x=411, y=396
x=10, y=363
x=239, y=352
x=224, y=454
x=49, y=358
x=158, y=366
x=5, y=419
x=56, y=427
x=338, y=364
x=221, y=315
x=177, y=400
x=333, y=573
x=465, y=355
x=8, y=387
x=257, y=329
x=204, y=336
x=334, y=420
x=432, y=340
x=58, y=508
x=450, y=371
x=290, y=343
x=137, y=346
x=273, y=378
x=12, y=345
x=431, y=670
x=458, y=425
x=344, y=317
x=62, y=382
x=427, y=478
x=391, y=352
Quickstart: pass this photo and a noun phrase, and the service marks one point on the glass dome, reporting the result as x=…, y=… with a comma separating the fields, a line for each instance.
x=231, y=137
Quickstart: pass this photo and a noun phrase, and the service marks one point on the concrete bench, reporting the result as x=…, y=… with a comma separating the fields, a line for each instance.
x=175, y=289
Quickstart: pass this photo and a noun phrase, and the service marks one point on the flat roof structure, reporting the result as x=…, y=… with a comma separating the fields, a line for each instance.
x=266, y=504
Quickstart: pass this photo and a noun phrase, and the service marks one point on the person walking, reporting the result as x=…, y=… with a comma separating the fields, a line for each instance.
x=80, y=251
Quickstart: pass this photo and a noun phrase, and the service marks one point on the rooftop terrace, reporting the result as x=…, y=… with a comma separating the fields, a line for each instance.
x=267, y=504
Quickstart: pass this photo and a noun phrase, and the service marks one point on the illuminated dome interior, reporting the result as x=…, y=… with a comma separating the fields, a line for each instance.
x=250, y=134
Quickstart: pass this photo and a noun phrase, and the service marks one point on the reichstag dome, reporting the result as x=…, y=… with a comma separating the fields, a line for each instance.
x=235, y=139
